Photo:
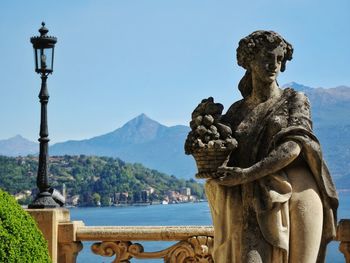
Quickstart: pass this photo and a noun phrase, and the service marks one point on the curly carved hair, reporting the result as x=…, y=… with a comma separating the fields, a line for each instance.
x=249, y=46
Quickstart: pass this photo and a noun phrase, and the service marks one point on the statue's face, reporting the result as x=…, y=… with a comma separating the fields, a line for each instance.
x=267, y=64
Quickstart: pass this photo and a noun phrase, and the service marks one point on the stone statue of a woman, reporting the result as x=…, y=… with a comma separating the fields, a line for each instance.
x=273, y=200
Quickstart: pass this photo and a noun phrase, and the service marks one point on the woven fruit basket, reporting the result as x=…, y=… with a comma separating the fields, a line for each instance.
x=208, y=160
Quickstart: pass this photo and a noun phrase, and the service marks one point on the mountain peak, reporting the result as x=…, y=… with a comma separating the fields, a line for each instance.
x=141, y=128
x=18, y=137
x=142, y=115
x=141, y=120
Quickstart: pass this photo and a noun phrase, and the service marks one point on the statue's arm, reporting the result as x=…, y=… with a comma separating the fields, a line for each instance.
x=279, y=158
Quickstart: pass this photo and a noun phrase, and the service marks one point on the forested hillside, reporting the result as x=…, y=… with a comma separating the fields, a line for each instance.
x=87, y=176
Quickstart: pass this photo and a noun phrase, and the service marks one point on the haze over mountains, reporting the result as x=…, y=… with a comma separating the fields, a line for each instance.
x=17, y=145
x=160, y=147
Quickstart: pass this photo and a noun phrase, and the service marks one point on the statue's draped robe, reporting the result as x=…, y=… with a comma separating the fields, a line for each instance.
x=251, y=221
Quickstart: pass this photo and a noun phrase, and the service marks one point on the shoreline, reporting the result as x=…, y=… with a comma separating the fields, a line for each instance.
x=136, y=205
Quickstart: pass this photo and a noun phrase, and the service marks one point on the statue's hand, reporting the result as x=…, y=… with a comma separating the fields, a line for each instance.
x=230, y=176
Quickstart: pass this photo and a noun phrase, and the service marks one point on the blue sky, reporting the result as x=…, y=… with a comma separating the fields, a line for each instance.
x=116, y=59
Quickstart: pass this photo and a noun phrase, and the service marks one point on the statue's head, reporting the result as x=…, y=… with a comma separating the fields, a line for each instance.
x=260, y=41
x=264, y=52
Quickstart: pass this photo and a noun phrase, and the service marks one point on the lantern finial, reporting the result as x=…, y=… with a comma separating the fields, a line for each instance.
x=43, y=30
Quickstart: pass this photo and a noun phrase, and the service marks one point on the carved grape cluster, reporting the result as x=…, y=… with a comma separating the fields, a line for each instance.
x=206, y=129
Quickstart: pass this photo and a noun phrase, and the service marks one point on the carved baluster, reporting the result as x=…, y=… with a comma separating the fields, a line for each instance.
x=68, y=246
x=68, y=252
x=343, y=235
x=344, y=248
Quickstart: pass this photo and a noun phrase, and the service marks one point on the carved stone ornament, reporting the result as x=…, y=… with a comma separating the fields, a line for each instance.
x=109, y=248
x=195, y=249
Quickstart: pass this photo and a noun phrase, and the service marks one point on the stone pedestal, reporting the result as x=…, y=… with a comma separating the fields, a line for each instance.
x=48, y=221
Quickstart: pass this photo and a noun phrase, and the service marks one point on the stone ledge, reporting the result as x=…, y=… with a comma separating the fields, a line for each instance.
x=67, y=231
x=141, y=233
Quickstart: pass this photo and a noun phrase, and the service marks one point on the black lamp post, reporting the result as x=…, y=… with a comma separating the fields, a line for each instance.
x=44, y=53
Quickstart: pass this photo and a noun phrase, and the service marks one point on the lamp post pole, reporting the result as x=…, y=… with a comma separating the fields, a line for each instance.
x=42, y=181
x=44, y=198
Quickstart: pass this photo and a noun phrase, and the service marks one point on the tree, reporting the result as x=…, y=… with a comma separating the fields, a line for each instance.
x=96, y=198
x=106, y=200
x=21, y=240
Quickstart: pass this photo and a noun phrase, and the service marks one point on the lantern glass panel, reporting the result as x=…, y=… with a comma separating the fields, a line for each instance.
x=36, y=60
x=44, y=59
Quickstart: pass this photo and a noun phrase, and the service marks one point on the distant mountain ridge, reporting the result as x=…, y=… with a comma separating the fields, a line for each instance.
x=329, y=107
x=140, y=140
x=18, y=146
x=330, y=95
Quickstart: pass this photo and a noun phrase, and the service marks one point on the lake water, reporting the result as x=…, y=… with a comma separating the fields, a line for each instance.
x=163, y=215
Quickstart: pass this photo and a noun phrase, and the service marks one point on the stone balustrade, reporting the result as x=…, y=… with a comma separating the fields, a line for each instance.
x=194, y=243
